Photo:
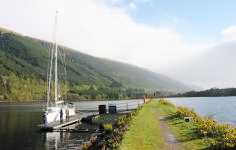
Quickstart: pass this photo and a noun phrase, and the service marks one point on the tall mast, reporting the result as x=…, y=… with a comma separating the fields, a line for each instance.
x=51, y=52
x=56, y=52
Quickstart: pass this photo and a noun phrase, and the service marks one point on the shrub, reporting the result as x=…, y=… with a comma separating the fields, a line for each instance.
x=108, y=127
x=86, y=145
x=222, y=136
x=116, y=132
x=185, y=112
x=165, y=102
x=207, y=127
x=230, y=138
x=222, y=129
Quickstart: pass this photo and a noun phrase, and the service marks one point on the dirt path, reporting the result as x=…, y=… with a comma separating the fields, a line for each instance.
x=170, y=140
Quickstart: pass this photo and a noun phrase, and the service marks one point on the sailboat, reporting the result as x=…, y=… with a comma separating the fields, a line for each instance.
x=57, y=109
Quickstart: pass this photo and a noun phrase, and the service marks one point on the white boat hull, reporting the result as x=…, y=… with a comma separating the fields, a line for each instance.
x=53, y=114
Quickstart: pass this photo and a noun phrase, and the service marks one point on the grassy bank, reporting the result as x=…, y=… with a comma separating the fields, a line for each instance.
x=200, y=132
x=185, y=132
x=144, y=131
x=112, y=127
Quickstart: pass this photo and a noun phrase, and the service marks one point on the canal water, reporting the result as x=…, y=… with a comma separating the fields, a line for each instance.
x=18, y=126
x=222, y=109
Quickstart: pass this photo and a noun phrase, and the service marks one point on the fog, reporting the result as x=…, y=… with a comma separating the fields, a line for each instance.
x=215, y=68
x=110, y=31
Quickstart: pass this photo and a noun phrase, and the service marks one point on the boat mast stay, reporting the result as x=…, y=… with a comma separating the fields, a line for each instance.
x=53, y=59
x=51, y=52
x=56, y=52
x=56, y=109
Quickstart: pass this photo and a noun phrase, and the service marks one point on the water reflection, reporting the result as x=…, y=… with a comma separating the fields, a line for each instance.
x=52, y=140
x=19, y=127
x=64, y=140
x=59, y=140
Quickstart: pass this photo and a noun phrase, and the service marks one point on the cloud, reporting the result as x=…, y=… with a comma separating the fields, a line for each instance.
x=229, y=34
x=132, y=5
x=93, y=27
x=101, y=29
x=214, y=68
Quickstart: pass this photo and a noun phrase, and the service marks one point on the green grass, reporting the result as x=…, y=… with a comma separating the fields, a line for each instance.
x=185, y=132
x=144, y=131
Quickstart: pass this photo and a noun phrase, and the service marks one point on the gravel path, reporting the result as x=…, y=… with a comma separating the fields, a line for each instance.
x=171, y=142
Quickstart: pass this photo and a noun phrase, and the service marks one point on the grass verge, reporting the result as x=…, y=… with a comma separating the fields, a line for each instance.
x=185, y=132
x=144, y=131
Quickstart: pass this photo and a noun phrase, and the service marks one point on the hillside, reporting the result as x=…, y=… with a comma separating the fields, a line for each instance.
x=23, y=67
x=214, y=92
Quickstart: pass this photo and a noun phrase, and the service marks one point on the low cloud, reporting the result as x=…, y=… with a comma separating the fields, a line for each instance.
x=229, y=34
x=99, y=29
x=96, y=29
x=132, y=5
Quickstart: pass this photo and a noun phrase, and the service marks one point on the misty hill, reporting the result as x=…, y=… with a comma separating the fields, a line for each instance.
x=23, y=67
x=213, y=68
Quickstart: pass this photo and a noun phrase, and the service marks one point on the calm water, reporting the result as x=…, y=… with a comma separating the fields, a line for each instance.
x=18, y=126
x=222, y=109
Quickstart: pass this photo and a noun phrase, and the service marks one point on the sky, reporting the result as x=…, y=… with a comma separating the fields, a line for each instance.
x=160, y=35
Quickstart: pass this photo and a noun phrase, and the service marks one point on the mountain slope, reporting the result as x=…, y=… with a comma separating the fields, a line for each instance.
x=23, y=57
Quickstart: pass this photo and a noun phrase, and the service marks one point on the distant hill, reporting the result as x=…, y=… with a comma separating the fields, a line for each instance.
x=23, y=67
x=214, y=92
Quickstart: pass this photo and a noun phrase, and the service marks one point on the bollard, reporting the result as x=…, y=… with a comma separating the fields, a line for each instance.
x=102, y=109
x=112, y=109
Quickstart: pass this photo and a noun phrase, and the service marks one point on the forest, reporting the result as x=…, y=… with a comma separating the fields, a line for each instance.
x=213, y=92
x=24, y=66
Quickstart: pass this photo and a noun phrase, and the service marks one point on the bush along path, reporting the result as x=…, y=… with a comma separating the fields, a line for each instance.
x=160, y=125
x=185, y=132
x=199, y=132
x=112, y=128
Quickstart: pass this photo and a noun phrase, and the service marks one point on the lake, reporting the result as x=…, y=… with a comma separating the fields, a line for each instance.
x=18, y=122
x=18, y=126
x=222, y=109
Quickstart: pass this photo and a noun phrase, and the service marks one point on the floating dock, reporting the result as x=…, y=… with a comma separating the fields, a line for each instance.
x=65, y=123
x=73, y=120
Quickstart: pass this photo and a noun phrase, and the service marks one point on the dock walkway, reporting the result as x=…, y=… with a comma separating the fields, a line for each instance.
x=65, y=123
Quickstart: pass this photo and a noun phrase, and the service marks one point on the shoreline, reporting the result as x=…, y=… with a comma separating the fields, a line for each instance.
x=44, y=101
x=197, y=96
x=218, y=135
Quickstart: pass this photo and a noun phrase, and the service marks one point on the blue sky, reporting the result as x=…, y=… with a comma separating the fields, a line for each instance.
x=196, y=19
